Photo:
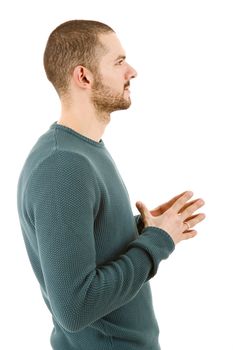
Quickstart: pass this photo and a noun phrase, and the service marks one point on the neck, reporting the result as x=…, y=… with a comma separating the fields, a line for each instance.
x=85, y=120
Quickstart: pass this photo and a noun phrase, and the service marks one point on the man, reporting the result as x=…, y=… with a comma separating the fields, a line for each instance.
x=92, y=257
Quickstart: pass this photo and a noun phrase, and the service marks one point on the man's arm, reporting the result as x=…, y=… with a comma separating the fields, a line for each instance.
x=61, y=205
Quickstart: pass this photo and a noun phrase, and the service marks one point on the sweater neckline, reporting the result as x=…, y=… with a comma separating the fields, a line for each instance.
x=77, y=134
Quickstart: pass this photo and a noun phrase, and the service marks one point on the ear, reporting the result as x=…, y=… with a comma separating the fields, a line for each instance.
x=82, y=77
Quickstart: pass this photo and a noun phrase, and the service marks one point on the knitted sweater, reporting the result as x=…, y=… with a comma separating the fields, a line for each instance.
x=91, y=256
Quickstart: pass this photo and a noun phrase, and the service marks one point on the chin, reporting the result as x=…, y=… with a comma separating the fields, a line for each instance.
x=129, y=101
x=127, y=105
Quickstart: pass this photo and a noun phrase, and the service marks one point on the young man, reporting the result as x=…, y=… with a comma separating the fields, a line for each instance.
x=92, y=257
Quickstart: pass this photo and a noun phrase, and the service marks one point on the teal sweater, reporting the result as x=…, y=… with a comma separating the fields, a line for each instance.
x=91, y=256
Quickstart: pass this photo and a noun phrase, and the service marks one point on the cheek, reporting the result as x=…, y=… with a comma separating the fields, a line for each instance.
x=115, y=79
x=116, y=82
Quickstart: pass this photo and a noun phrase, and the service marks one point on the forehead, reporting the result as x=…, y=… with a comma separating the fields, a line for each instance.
x=112, y=45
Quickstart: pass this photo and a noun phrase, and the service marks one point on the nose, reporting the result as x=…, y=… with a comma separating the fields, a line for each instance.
x=132, y=72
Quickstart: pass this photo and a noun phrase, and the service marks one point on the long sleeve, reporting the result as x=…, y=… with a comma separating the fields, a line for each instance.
x=63, y=200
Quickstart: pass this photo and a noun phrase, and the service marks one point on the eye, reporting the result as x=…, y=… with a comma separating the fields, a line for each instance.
x=121, y=61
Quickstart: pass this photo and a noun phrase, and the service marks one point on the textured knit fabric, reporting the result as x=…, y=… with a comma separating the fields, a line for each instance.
x=91, y=256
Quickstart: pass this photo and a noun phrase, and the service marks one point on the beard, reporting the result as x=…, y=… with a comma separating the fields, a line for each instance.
x=106, y=99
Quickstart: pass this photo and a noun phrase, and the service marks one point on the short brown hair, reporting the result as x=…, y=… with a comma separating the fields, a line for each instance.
x=73, y=43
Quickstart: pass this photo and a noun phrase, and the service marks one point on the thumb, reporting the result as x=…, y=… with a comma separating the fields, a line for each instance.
x=142, y=208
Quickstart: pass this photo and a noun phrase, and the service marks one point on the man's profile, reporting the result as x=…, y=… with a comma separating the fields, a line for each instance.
x=91, y=256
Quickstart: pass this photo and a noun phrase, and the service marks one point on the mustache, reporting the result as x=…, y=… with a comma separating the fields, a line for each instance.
x=126, y=85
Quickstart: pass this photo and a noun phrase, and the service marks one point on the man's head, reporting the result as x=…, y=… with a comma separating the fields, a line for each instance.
x=87, y=55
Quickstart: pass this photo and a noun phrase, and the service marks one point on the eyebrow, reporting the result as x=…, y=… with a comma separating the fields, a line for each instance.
x=120, y=57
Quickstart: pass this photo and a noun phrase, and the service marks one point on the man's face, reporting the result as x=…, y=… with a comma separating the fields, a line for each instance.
x=110, y=90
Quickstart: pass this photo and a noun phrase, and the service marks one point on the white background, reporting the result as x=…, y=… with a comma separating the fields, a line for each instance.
x=176, y=136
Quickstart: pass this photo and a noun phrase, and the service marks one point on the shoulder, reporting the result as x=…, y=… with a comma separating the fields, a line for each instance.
x=64, y=163
x=60, y=169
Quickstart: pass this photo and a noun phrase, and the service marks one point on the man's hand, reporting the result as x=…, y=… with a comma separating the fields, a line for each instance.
x=175, y=216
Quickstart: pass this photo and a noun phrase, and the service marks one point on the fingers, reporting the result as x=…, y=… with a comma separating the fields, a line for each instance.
x=179, y=219
x=181, y=201
x=199, y=200
x=174, y=199
x=168, y=204
x=187, y=205
x=163, y=207
x=191, y=222
x=189, y=234
x=194, y=220
x=190, y=208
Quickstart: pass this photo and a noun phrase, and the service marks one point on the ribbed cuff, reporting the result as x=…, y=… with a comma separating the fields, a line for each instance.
x=157, y=243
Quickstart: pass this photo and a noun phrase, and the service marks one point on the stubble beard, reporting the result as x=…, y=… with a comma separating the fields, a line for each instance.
x=105, y=100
